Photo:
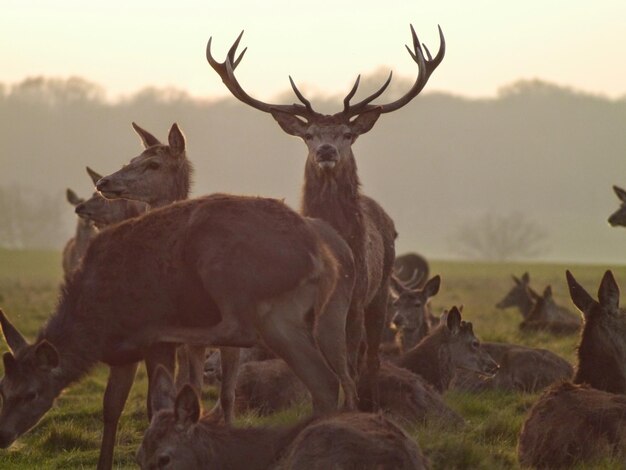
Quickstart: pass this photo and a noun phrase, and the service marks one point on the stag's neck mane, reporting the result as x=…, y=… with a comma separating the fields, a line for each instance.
x=76, y=333
x=336, y=199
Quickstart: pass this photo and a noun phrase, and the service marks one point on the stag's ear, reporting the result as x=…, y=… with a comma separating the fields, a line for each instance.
x=516, y=279
x=581, y=298
x=291, y=124
x=620, y=193
x=608, y=292
x=164, y=391
x=453, y=321
x=365, y=121
x=93, y=175
x=10, y=364
x=147, y=139
x=547, y=292
x=533, y=294
x=176, y=140
x=72, y=197
x=187, y=407
x=46, y=355
x=13, y=337
x=525, y=278
x=432, y=286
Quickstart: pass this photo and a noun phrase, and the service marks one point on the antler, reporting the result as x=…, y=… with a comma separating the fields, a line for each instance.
x=425, y=67
x=226, y=71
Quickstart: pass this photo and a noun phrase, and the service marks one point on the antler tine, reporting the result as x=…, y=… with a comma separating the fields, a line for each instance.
x=351, y=93
x=363, y=104
x=300, y=96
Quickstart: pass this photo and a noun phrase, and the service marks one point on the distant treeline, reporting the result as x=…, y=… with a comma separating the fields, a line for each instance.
x=536, y=149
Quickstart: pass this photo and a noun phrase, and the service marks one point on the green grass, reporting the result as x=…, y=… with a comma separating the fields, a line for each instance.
x=69, y=435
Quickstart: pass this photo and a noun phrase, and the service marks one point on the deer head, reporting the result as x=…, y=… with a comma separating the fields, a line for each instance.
x=29, y=385
x=329, y=138
x=157, y=176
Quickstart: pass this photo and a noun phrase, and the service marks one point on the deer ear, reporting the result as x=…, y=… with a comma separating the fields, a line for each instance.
x=14, y=338
x=46, y=355
x=453, y=322
x=10, y=364
x=525, y=278
x=72, y=197
x=547, y=292
x=581, y=298
x=93, y=175
x=432, y=286
x=176, y=140
x=164, y=391
x=291, y=124
x=187, y=407
x=365, y=121
x=516, y=280
x=147, y=139
x=608, y=293
x=620, y=193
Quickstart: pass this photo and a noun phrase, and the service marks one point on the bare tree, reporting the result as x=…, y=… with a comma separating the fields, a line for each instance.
x=497, y=237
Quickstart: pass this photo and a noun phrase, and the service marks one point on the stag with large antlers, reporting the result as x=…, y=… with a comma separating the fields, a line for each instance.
x=331, y=188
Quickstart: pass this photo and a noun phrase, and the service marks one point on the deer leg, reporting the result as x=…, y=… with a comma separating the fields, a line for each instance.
x=375, y=315
x=118, y=386
x=197, y=356
x=354, y=337
x=230, y=371
x=182, y=372
x=158, y=354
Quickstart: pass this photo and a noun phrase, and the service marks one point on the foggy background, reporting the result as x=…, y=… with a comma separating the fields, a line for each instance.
x=444, y=166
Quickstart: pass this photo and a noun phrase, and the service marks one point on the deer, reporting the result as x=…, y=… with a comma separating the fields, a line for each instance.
x=546, y=315
x=618, y=218
x=181, y=274
x=180, y=438
x=411, y=268
x=77, y=245
x=521, y=296
x=331, y=192
x=578, y=421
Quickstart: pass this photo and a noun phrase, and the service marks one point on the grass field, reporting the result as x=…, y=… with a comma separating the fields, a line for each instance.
x=69, y=435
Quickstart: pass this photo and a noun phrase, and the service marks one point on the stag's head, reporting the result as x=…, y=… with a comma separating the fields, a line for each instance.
x=518, y=293
x=157, y=176
x=29, y=385
x=618, y=218
x=104, y=212
x=169, y=441
x=329, y=138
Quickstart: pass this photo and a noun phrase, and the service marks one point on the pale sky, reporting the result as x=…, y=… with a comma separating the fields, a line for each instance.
x=127, y=45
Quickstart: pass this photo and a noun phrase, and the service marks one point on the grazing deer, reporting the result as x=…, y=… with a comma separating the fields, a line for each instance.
x=188, y=273
x=411, y=268
x=332, y=193
x=618, y=218
x=103, y=212
x=520, y=296
x=546, y=315
x=179, y=438
x=522, y=369
x=411, y=314
x=576, y=423
x=77, y=245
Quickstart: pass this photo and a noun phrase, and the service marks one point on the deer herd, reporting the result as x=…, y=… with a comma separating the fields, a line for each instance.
x=278, y=306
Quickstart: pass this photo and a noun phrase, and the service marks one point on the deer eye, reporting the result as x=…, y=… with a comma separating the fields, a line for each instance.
x=308, y=136
x=154, y=165
x=163, y=460
x=475, y=344
x=348, y=136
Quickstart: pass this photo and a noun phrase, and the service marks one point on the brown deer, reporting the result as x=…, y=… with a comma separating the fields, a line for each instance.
x=103, y=212
x=575, y=423
x=618, y=218
x=546, y=315
x=77, y=245
x=188, y=273
x=410, y=313
x=521, y=296
x=179, y=438
x=332, y=193
x=411, y=268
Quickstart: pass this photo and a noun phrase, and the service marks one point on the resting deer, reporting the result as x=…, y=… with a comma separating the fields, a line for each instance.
x=574, y=423
x=521, y=296
x=179, y=438
x=618, y=218
x=188, y=274
x=546, y=315
x=77, y=245
x=332, y=193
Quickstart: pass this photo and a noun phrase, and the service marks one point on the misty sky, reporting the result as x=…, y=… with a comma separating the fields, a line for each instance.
x=125, y=46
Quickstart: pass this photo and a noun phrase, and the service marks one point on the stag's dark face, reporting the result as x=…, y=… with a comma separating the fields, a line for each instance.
x=329, y=145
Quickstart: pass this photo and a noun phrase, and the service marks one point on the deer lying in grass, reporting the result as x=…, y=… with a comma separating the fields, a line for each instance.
x=522, y=369
x=77, y=245
x=521, y=296
x=178, y=438
x=188, y=273
x=332, y=192
x=412, y=269
x=573, y=423
x=546, y=315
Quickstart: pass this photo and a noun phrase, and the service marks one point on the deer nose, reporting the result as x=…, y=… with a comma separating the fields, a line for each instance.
x=81, y=210
x=326, y=152
x=102, y=184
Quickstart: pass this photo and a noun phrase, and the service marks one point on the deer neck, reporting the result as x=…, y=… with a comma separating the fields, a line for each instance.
x=85, y=230
x=180, y=185
x=525, y=305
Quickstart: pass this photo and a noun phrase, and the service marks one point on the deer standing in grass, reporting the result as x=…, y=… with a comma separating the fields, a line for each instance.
x=574, y=423
x=332, y=192
x=77, y=245
x=187, y=273
x=179, y=438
